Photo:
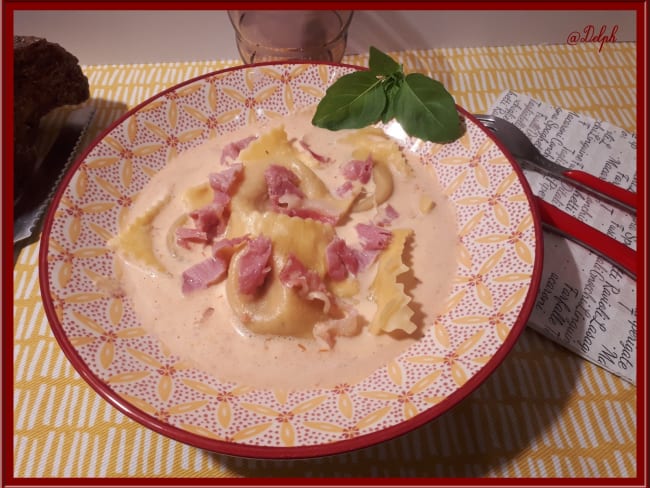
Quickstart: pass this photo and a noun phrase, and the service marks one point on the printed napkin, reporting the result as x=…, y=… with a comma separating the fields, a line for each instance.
x=584, y=303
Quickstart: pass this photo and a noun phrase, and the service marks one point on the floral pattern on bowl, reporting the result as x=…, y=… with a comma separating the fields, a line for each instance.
x=496, y=280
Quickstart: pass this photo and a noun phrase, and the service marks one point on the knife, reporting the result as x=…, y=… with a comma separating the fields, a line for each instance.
x=607, y=247
x=32, y=201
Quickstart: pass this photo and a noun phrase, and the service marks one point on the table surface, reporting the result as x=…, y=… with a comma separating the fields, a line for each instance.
x=543, y=413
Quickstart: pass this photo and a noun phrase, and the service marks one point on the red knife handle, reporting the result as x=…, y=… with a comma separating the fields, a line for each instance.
x=609, y=189
x=606, y=245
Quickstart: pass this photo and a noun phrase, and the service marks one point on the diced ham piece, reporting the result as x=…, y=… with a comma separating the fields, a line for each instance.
x=224, y=180
x=213, y=269
x=318, y=157
x=232, y=150
x=326, y=332
x=341, y=259
x=203, y=274
x=366, y=258
x=223, y=248
x=295, y=274
x=391, y=213
x=281, y=181
x=336, y=268
x=315, y=213
x=254, y=264
x=307, y=283
x=358, y=170
x=373, y=238
x=221, y=198
x=386, y=216
x=185, y=235
x=205, y=218
x=286, y=196
x=344, y=189
x=212, y=217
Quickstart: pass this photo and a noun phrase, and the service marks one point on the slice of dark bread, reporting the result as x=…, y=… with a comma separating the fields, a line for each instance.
x=46, y=76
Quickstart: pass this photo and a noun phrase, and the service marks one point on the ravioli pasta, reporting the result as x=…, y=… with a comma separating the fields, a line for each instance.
x=372, y=141
x=393, y=312
x=321, y=209
x=383, y=181
x=274, y=147
x=278, y=309
x=289, y=256
x=135, y=242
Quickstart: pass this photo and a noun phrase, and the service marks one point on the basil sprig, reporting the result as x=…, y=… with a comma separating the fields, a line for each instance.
x=422, y=105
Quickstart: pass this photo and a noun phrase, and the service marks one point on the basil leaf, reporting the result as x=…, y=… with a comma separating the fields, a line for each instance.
x=420, y=104
x=381, y=63
x=353, y=101
x=391, y=86
x=426, y=110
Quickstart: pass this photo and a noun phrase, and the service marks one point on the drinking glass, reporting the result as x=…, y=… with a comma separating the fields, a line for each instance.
x=285, y=35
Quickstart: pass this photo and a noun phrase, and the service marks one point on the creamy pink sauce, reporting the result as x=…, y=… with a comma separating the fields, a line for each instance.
x=200, y=327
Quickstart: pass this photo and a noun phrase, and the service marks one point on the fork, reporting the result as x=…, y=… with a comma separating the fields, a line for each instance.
x=557, y=220
x=525, y=152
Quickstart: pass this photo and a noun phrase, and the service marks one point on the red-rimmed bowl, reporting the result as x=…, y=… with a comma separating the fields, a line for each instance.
x=496, y=281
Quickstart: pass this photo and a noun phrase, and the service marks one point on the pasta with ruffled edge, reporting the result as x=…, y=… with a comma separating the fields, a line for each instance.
x=135, y=239
x=278, y=309
x=393, y=311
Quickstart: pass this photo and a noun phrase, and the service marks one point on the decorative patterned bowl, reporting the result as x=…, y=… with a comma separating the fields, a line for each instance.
x=496, y=281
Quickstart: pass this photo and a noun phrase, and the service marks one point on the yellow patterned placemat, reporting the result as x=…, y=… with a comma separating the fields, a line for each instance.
x=543, y=413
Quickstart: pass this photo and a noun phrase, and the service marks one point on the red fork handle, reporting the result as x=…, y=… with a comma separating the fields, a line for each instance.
x=605, y=187
x=592, y=238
